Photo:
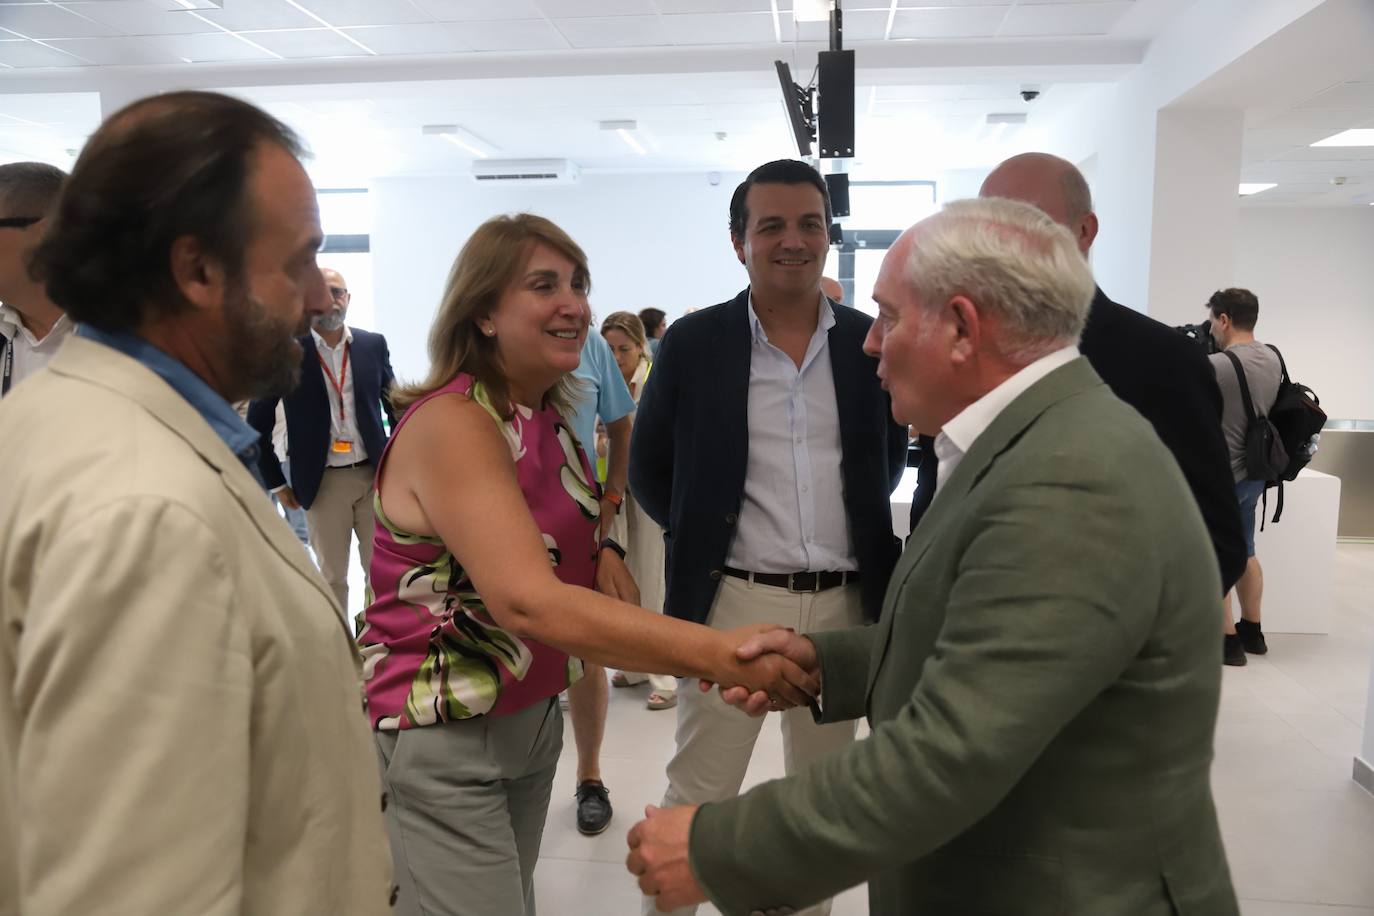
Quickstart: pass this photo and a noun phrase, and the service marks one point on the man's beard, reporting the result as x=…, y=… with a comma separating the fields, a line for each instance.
x=262, y=349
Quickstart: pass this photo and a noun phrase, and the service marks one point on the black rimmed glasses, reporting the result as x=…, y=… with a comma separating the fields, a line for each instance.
x=337, y=292
x=18, y=222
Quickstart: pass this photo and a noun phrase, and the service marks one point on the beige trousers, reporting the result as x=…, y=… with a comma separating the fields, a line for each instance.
x=715, y=741
x=342, y=509
x=643, y=542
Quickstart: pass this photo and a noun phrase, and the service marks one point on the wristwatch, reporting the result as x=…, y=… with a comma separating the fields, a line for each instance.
x=611, y=544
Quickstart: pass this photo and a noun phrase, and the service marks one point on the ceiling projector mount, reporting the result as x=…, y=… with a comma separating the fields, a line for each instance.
x=832, y=86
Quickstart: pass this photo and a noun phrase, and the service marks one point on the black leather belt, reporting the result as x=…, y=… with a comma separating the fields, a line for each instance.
x=344, y=467
x=796, y=582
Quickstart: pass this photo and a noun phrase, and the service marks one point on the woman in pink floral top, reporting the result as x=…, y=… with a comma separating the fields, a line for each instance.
x=490, y=584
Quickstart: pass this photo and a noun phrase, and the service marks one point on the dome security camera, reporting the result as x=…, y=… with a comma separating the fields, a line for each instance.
x=1030, y=95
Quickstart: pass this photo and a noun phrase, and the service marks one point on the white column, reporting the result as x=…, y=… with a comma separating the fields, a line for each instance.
x=1193, y=231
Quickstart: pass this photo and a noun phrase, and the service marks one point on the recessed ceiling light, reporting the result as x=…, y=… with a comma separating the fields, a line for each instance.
x=623, y=128
x=811, y=10
x=1255, y=187
x=1360, y=136
x=461, y=138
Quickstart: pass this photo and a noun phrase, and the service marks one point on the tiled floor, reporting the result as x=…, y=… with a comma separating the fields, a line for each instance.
x=1299, y=833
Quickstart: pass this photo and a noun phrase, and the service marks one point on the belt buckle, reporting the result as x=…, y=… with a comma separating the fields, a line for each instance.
x=799, y=590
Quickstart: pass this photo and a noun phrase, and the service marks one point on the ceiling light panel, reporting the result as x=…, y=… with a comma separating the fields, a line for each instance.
x=1361, y=136
x=1247, y=188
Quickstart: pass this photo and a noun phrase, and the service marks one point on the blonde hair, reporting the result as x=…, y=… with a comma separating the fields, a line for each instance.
x=489, y=262
x=629, y=324
x=1010, y=258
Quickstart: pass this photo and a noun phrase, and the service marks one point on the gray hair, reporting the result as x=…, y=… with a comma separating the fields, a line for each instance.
x=1013, y=262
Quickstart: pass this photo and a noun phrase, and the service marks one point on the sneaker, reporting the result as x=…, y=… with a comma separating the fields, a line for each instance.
x=1232, y=652
x=593, y=807
x=1251, y=637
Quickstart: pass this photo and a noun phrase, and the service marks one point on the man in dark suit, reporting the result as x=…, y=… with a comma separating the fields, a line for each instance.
x=334, y=436
x=766, y=449
x=1147, y=364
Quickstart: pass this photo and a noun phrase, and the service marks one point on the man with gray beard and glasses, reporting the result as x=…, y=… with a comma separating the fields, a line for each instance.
x=181, y=725
x=334, y=436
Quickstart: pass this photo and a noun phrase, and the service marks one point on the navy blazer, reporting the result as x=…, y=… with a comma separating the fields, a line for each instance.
x=1167, y=378
x=307, y=414
x=690, y=446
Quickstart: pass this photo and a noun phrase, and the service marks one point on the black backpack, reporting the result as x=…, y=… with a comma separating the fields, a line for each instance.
x=1297, y=416
x=1278, y=444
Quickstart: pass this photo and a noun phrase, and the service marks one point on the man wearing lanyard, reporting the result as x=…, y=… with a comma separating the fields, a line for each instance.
x=334, y=436
x=31, y=326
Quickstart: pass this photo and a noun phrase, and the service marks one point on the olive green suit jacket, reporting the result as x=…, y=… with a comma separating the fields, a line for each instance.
x=1042, y=689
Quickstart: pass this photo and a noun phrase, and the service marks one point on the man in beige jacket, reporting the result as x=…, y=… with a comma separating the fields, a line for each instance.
x=180, y=716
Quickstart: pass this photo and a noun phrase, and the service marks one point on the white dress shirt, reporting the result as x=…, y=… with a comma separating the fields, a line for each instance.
x=792, y=518
x=30, y=353
x=348, y=427
x=959, y=434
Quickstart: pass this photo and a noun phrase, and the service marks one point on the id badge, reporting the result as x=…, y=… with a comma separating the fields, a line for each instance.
x=343, y=447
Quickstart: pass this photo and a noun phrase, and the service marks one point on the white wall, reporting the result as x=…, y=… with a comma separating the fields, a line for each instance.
x=651, y=240
x=1314, y=275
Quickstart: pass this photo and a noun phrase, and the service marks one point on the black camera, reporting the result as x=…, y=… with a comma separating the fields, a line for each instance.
x=1200, y=334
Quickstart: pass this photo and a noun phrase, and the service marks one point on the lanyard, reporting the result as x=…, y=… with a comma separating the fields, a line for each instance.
x=336, y=383
x=9, y=367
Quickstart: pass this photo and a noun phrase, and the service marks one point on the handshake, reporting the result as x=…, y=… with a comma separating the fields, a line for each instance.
x=768, y=668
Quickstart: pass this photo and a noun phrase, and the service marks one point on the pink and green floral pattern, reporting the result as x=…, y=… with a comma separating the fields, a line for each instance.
x=431, y=651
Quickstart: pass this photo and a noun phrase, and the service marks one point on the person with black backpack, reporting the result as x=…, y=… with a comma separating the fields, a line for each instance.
x=1248, y=374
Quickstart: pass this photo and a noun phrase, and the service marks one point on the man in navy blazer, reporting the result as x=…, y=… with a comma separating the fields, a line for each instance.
x=765, y=447
x=334, y=436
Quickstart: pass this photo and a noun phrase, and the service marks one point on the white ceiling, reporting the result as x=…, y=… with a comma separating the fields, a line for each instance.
x=932, y=77
x=77, y=33
x=928, y=118
x=1278, y=149
x=375, y=128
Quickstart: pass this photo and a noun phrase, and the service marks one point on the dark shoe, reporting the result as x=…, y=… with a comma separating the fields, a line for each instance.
x=1232, y=652
x=593, y=807
x=1251, y=637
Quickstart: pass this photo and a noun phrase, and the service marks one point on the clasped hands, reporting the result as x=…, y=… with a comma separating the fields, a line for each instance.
x=777, y=669
x=789, y=657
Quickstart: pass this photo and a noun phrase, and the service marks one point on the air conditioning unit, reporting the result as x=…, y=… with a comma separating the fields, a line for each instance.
x=525, y=171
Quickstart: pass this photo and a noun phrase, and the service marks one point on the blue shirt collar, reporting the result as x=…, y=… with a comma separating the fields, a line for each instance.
x=241, y=438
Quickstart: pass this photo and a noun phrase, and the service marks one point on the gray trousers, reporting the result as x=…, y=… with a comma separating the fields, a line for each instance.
x=466, y=803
